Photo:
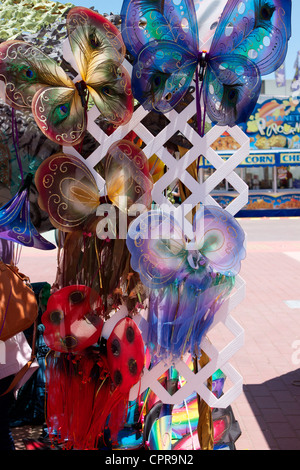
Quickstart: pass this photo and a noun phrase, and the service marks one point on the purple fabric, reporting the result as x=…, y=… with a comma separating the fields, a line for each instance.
x=16, y=226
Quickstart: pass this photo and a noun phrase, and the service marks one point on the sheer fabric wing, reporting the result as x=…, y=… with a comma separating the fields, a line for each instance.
x=162, y=74
x=110, y=88
x=158, y=257
x=24, y=69
x=93, y=37
x=169, y=20
x=232, y=84
x=59, y=113
x=99, y=51
x=67, y=191
x=127, y=176
x=257, y=29
x=220, y=239
x=16, y=225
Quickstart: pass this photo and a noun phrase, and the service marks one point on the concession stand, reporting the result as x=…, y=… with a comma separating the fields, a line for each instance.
x=272, y=169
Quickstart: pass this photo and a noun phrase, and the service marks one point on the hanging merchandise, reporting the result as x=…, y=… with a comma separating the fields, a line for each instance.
x=99, y=379
x=73, y=319
x=33, y=81
x=134, y=294
x=69, y=193
x=127, y=176
x=177, y=427
x=18, y=306
x=163, y=39
x=188, y=283
x=15, y=222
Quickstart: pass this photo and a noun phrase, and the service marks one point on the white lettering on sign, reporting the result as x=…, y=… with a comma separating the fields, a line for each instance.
x=273, y=128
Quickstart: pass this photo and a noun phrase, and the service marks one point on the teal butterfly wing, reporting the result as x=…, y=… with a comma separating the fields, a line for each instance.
x=250, y=41
x=256, y=29
x=231, y=87
x=162, y=74
x=163, y=38
x=144, y=21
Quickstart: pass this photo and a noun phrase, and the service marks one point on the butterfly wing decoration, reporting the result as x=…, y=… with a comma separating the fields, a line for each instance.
x=162, y=75
x=220, y=239
x=33, y=81
x=15, y=222
x=162, y=20
x=127, y=176
x=250, y=41
x=160, y=254
x=188, y=283
x=67, y=191
x=99, y=50
x=157, y=246
x=162, y=36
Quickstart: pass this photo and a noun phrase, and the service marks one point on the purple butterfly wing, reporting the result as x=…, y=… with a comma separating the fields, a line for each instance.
x=162, y=74
x=156, y=244
x=220, y=239
x=16, y=226
x=146, y=20
x=232, y=84
x=256, y=29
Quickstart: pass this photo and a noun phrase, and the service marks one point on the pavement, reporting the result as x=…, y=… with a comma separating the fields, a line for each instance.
x=268, y=410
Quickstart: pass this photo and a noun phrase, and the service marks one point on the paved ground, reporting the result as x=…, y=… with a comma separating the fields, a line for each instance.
x=268, y=411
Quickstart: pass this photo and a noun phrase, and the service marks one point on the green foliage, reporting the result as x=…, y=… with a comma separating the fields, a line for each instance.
x=28, y=16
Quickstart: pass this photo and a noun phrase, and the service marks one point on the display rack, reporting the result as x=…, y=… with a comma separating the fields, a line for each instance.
x=201, y=193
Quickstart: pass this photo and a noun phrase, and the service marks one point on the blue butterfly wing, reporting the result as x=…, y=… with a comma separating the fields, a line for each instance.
x=232, y=84
x=146, y=20
x=157, y=248
x=256, y=29
x=162, y=74
x=16, y=225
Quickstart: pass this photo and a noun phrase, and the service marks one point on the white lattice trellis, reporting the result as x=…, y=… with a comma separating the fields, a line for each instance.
x=200, y=193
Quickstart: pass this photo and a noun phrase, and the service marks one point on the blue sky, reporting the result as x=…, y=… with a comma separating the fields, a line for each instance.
x=294, y=43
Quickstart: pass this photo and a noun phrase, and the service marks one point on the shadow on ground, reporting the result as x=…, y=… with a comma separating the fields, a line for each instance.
x=276, y=407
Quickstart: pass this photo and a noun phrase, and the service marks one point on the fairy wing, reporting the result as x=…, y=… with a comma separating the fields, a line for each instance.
x=59, y=113
x=99, y=51
x=250, y=40
x=232, y=84
x=169, y=20
x=25, y=69
x=127, y=176
x=157, y=248
x=90, y=35
x=162, y=36
x=162, y=74
x=220, y=239
x=109, y=84
x=34, y=81
x=256, y=29
x=67, y=191
x=16, y=225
